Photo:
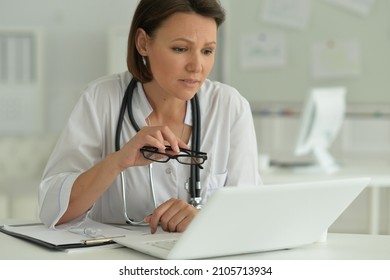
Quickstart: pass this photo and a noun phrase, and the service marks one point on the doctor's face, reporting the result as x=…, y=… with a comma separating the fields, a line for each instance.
x=181, y=54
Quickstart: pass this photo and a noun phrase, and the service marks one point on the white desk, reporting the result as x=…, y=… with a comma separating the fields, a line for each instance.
x=337, y=247
x=378, y=170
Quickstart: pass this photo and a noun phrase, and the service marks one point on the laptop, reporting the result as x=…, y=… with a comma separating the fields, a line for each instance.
x=252, y=219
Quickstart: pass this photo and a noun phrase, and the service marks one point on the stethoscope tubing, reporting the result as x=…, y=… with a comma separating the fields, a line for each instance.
x=194, y=180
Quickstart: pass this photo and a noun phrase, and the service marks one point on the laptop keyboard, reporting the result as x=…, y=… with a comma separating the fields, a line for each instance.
x=164, y=244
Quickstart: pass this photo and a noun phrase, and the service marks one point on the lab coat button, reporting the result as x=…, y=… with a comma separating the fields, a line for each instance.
x=168, y=170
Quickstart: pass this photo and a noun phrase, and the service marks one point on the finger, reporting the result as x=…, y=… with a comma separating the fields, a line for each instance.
x=148, y=219
x=155, y=141
x=148, y=136
x=165, y=136
x=160, y=137
x=179, y=222
x=157, y=214
x=182, y=144
x=178, y=216
x=181, y=227
x=154, y=134
x=170, y=138
x=174, y=215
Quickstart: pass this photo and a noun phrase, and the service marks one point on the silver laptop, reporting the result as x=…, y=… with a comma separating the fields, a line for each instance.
x=243, y=220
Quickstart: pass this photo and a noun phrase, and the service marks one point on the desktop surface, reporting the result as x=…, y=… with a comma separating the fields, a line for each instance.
x=378, y=170
x=337, y=247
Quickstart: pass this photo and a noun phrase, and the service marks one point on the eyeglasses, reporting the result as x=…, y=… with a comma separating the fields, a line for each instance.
x=185, y=156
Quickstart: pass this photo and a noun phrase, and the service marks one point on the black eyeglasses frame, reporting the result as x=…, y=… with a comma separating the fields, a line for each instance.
x=198, y=158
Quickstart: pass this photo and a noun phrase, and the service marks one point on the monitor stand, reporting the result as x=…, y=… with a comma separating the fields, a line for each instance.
x=325, y=163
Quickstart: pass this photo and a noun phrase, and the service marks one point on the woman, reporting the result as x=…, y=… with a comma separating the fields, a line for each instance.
x=171, y=50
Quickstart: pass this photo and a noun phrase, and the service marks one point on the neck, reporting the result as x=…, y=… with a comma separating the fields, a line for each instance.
x=166, y=109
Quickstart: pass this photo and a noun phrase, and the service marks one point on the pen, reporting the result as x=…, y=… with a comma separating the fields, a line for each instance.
x=100, y=240
x=23, y=225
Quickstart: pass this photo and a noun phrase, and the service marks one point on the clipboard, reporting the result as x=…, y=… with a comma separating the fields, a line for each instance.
x=62, y=239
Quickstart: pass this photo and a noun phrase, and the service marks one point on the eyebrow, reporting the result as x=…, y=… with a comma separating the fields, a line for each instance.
x=190, y=41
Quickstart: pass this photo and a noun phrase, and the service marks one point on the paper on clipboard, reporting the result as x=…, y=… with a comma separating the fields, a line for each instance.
x=64, y=239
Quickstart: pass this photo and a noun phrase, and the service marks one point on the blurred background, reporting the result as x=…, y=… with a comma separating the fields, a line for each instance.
x=273, y=51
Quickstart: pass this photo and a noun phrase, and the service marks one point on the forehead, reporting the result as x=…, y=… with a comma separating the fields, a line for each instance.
x=188, y=25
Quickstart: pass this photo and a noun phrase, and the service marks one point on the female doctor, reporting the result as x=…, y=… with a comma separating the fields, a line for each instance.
x=171, y=51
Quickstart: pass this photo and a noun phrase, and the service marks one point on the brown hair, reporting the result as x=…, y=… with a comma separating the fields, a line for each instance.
x=149, y=16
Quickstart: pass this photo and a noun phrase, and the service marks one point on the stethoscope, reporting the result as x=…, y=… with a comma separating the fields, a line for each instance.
x=193, y=185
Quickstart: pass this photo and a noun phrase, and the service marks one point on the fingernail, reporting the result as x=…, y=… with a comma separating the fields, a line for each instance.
x=176, y=149
x=147, y=219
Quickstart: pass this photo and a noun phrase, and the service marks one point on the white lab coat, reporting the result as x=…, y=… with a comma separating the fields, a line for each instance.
x=227, y=136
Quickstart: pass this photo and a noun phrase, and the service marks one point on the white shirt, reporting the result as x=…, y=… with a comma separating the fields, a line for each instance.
x=227, y=136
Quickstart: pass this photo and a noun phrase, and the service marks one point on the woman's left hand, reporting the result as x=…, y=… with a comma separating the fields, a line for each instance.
x=174, y=215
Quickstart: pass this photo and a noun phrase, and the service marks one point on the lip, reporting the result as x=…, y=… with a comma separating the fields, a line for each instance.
x=190, y=82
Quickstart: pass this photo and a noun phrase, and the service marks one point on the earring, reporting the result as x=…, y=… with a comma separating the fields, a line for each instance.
x=144, y=60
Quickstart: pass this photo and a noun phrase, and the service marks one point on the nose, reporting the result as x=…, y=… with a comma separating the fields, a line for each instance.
x=194, y=64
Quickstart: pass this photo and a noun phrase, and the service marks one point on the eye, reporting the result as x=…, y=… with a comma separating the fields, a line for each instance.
x=208, y=52
x=179, y=50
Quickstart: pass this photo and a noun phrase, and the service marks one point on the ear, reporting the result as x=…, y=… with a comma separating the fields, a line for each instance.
x=141, y=40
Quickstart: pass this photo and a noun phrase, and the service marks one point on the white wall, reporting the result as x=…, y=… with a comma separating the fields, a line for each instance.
x=327, y=22
x=75, y=35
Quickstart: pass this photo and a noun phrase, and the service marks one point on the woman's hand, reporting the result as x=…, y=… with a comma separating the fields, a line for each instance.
x=155, y=136
x=173, y=215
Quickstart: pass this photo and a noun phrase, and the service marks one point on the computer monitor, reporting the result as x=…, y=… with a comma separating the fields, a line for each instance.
x=321, y=120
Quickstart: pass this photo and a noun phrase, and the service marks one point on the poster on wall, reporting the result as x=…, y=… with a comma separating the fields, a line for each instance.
x=359, y=6
x=290, y=13
x=263, y=50
x=335, y=59
x=21, y=92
